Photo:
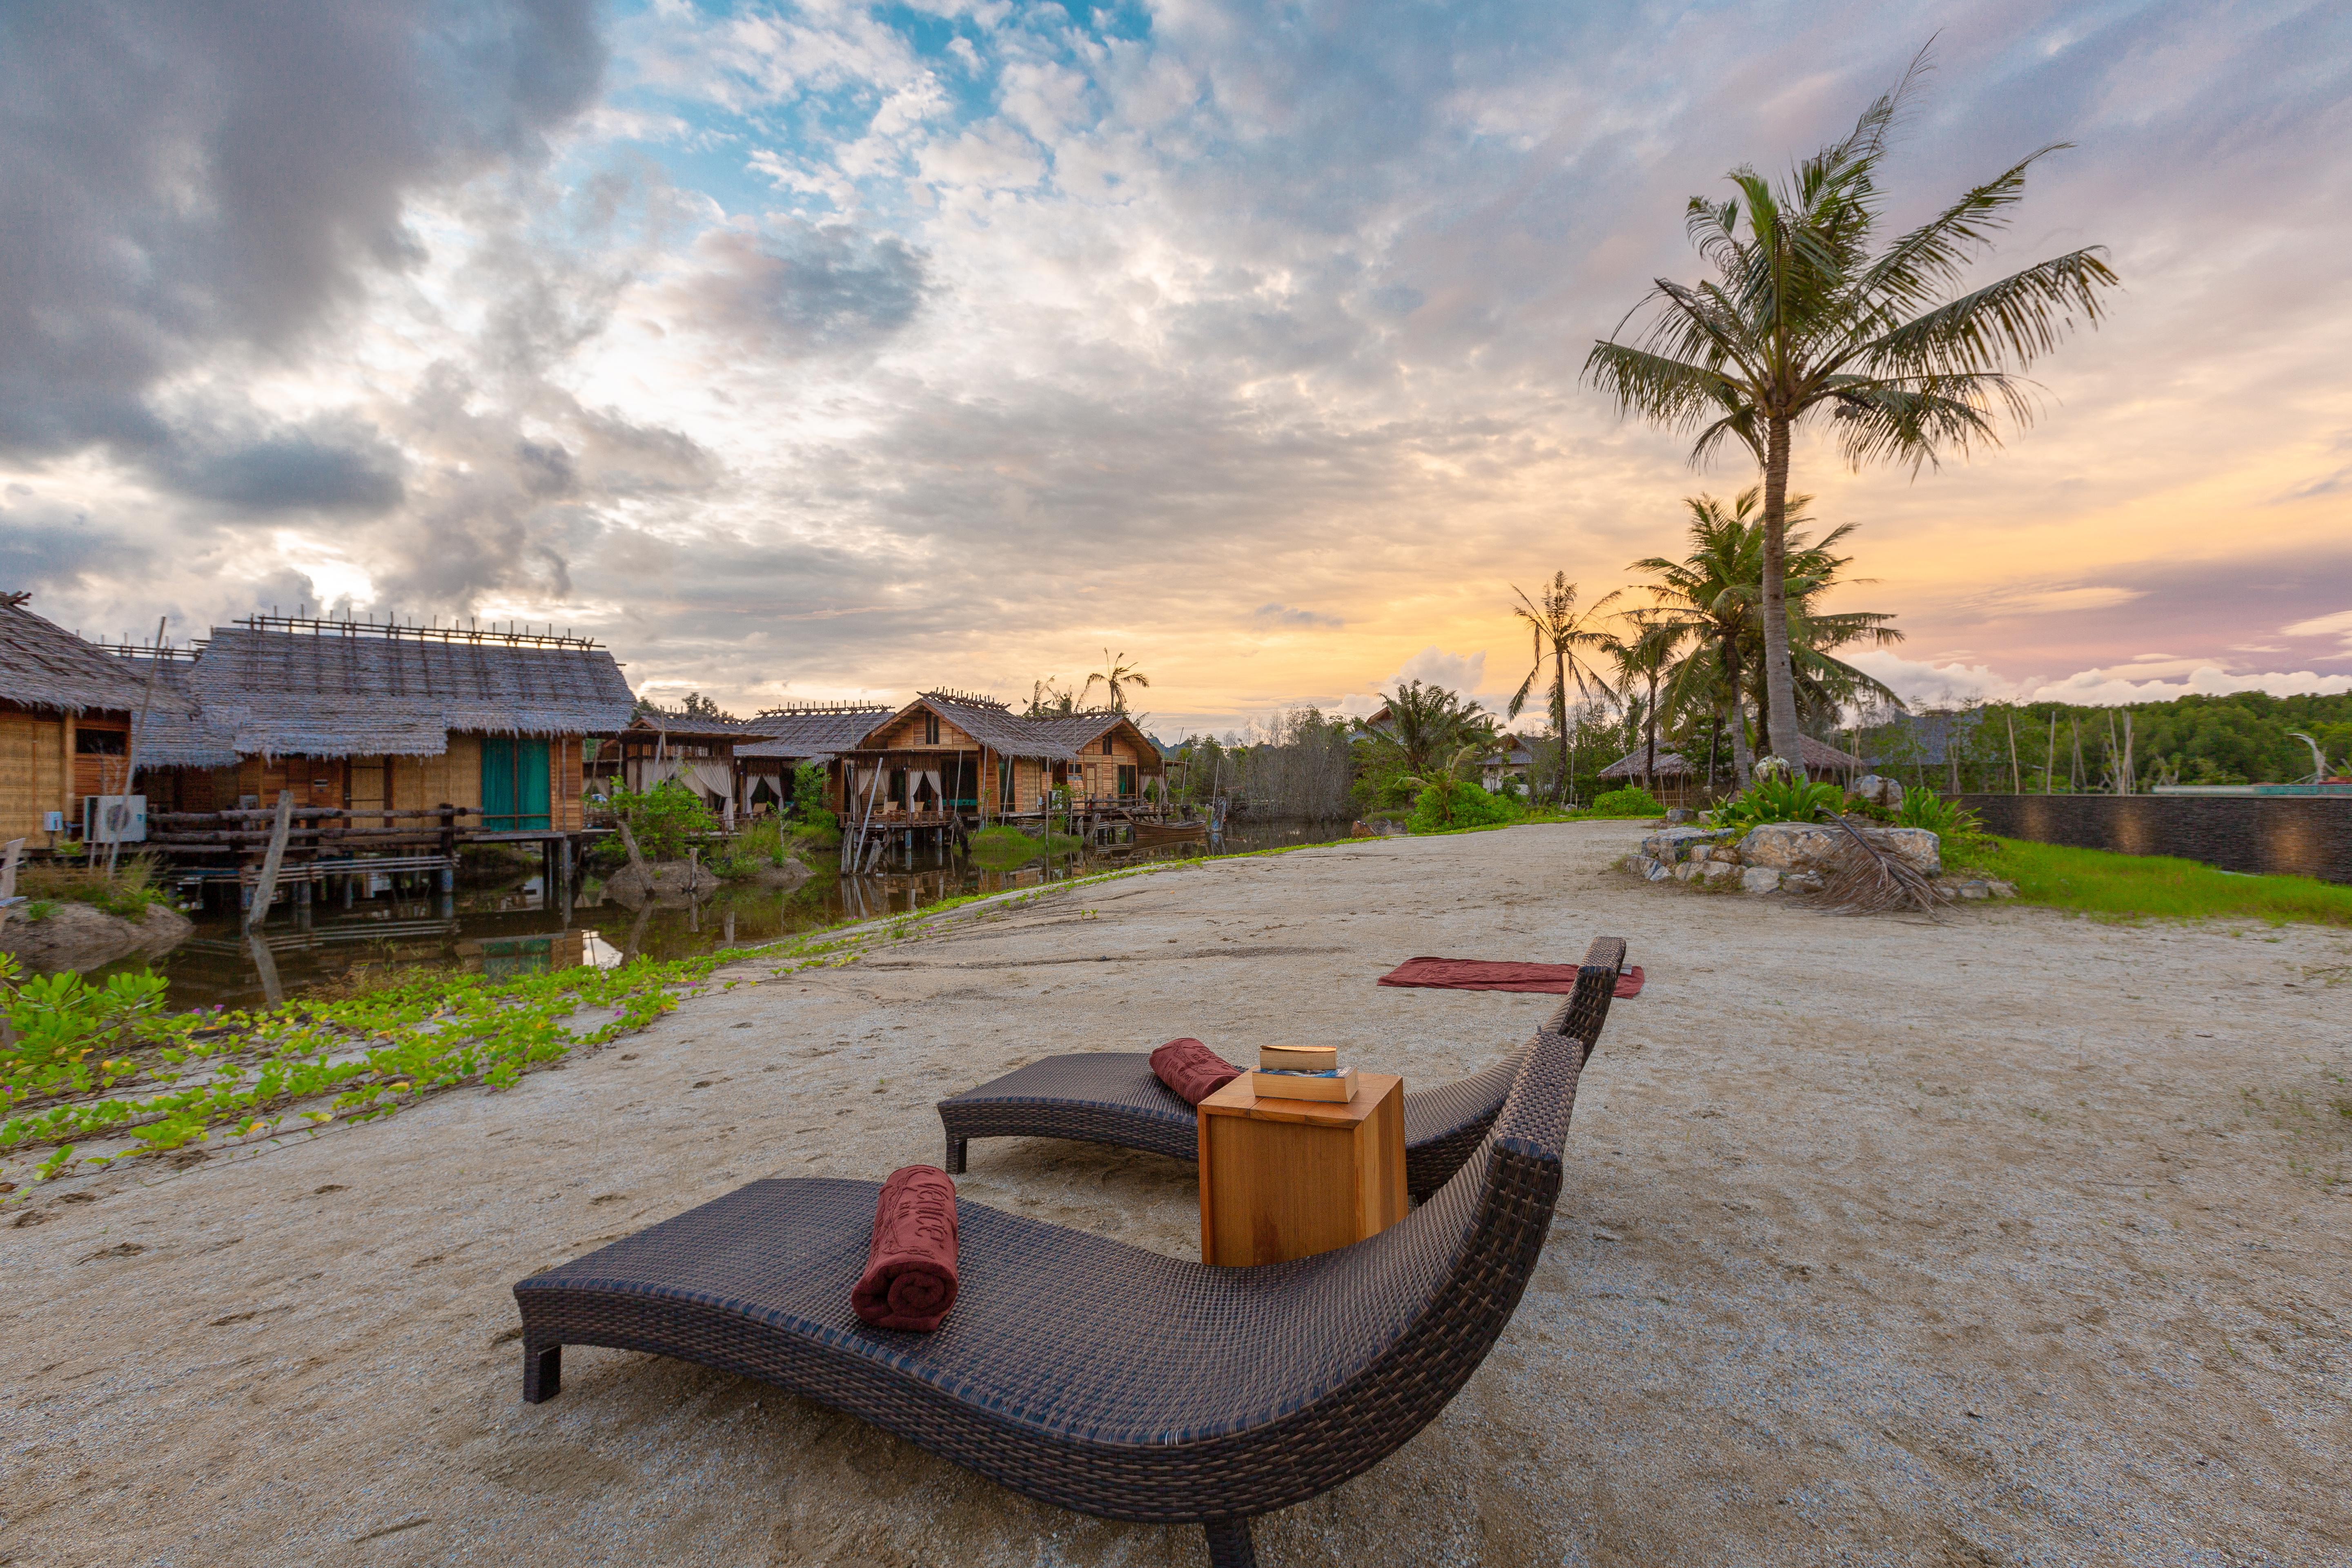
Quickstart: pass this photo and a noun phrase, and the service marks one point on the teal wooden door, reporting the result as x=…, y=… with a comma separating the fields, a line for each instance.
x=514, y=783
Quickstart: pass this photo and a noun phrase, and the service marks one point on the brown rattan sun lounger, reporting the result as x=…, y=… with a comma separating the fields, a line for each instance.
x=1087, y=1372
x=1111, y=1097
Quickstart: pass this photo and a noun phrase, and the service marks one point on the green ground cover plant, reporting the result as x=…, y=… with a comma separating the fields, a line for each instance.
x=664, y=818
x=2100, y=883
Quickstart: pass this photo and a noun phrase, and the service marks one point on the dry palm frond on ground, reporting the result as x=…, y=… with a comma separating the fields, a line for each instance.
x=1869, y=876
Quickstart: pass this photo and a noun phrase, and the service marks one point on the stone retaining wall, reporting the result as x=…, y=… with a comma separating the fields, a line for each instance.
x=2307, y=835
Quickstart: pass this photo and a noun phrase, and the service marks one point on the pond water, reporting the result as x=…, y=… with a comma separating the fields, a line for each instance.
x=514, y=927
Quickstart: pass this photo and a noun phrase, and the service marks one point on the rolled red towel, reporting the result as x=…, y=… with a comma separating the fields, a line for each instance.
x=910, y=1269
x=1192, y=1069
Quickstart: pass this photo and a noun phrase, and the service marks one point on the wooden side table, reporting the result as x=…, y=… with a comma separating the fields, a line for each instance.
x=1284, y=1178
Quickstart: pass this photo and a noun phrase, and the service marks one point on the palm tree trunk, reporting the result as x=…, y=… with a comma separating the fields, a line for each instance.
x=1560, y=698
x=1650, y=724
x=1780, y=682
x=1743, y=762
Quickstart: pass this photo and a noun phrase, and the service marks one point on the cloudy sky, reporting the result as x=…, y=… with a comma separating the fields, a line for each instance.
x=817, y=351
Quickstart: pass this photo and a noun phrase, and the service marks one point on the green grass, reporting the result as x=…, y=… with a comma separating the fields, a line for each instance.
x=2157, y=886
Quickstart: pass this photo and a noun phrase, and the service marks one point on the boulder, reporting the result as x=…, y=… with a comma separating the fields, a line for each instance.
x=1716, y=871
x=1674, y=846
x=1877, y=791
x=1759, y=880
x=1818, y=845
x=1648, y=868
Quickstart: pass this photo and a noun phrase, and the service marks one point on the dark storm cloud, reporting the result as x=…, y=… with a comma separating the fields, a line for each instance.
x=800, y=287
x=329, y=466
x=176, y=178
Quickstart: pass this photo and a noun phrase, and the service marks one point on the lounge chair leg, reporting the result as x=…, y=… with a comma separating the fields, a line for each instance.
x=1228, y=1543
x=543, y=1373
x=955, y=1154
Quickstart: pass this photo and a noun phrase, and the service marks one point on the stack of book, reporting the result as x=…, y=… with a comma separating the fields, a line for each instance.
x=1302, y=1073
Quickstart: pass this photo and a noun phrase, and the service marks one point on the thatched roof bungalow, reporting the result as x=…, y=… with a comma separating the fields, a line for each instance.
x=65, y=719
x=1675, y=778
x=360, y=716
x=1115, y=759
x=780, y=739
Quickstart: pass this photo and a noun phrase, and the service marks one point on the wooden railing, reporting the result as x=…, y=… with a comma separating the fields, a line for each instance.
x=315, y=829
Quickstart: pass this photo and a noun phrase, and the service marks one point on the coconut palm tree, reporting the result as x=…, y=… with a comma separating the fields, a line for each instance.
x=1709, y=605
x=1802, y=321
x=1419, y=725
x=1115, y=676
x=1564, y=638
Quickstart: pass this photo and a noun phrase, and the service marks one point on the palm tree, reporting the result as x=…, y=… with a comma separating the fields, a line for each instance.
x=1801, y=321
x=1425, y=723
x=1713, y=598
x=1116, y=676
x=1049, y=700
x=1561, y=634
x=1643, y=657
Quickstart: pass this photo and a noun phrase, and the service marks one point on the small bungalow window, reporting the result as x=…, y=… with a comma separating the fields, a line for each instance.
x=100, y=743
x=930, y=729
x=1110, y=747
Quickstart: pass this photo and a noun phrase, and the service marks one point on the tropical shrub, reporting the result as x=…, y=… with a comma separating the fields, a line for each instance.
x=1961, y=830
x=1630, y=802
x=811, y=818
x=1778, y=798
x=664, y=818
x=136, y=883
x=1447, y=804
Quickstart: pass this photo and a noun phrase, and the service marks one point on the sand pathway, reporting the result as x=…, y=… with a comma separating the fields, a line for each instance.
x=2018, y=1240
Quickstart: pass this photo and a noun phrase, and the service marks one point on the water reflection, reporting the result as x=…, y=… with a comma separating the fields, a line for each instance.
x=516, y=928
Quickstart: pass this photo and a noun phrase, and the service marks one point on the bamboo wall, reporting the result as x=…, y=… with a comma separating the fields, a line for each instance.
x=36, y=772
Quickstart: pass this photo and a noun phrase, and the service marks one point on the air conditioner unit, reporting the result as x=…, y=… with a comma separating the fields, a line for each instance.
x=114, y=818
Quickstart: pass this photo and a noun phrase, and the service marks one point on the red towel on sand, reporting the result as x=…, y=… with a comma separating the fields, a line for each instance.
x=1484, y=974
x=1192, y=1069
x=911, y=1270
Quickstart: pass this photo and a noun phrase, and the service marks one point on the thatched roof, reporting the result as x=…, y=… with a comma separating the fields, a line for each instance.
x=176, y=731
x=986, y=721
x=814, y=735
x=1079, y=731
x=370, y=693
x=1820, y=758
x=42, y=665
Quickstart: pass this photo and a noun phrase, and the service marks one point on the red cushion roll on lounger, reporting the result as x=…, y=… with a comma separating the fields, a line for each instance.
x=1192, y=1069
x=911, y=1270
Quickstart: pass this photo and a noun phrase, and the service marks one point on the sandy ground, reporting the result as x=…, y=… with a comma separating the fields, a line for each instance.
x=2009, y=1240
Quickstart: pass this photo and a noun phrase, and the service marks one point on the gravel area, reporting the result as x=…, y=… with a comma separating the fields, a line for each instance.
x=2014, y=1238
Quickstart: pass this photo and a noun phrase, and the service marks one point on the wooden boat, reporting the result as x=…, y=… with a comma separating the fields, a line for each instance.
x=1158, y=833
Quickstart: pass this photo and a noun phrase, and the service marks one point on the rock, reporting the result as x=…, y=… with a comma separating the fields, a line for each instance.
x=1673, y=846
x=1689, y=870
x=673, y=881
x=1801, y=882
x=1817, y=847
x=1648, y=868
x=80, y=936
x=1877, y=791
x=2001, y=890
x=1759, y=880
x=791, y=874
x=1716, y=871
x=1679, y=813
x=1972, y=890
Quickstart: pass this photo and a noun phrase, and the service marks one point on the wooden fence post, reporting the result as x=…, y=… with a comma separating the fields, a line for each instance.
x=267, y=887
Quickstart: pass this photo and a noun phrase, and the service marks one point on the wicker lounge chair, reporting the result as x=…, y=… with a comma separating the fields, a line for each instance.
x=1111, y=1097
x=1087, y=1372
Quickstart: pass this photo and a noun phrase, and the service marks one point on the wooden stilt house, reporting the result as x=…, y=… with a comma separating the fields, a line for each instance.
x=65, y=725
x=780, y=739
x=1113, y=763
x=696, y=752
x=382, y=733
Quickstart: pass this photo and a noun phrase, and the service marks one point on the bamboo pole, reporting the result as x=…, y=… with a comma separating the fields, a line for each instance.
x=2015, y=787
x=266, y=888
x=130, y=747
x=2050, y=758
x=2131, y=778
